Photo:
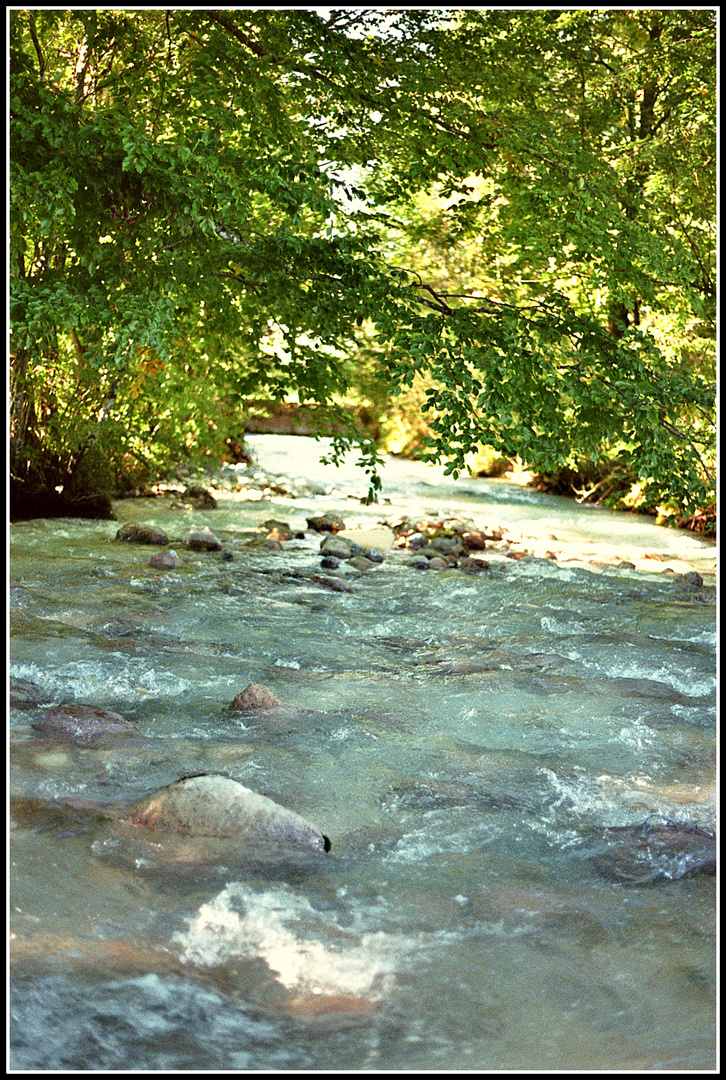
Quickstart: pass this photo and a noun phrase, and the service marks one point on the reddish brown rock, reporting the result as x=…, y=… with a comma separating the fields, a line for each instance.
x=256, y=698
x=474, y=541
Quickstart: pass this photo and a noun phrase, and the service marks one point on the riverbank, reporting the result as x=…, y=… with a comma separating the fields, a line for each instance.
x=533, y=524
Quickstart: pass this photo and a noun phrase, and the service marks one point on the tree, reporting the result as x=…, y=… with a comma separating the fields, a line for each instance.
x=206, y=204
x=588, y=327
x=172, y=223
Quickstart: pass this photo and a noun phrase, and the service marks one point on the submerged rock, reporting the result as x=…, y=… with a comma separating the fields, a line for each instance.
x=264, y=711
x=658, y=850
x=83, y=725
x=24, y=692
x=218, y=806
x=332, y=582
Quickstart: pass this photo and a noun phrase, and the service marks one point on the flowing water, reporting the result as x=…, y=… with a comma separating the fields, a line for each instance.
x=471, y=743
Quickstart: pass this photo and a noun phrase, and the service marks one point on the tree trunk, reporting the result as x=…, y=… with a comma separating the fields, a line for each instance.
x=22, y=418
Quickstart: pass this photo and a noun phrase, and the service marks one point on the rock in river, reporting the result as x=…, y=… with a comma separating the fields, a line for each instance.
x=256, y=698
x=327, y=522
x=135, y=533
x=203, y=540
x=84, y=725
x=213, y=805
x=657, y=850
x=165, y=560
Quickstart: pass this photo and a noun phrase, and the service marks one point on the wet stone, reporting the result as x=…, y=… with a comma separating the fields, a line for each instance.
x=165, y=560
x=24, y=692
x=332, y=582
x=278, y=530
x=473, y=565
x=135, y=533
x=203, y=540
x=199, y=497
x=82, y=724
x=360, y=562
x=328, y=522
x=255, y=697
x=656, y=851
x=339, y=549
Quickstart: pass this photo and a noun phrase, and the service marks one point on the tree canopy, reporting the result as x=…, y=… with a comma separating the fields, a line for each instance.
x=515, y=209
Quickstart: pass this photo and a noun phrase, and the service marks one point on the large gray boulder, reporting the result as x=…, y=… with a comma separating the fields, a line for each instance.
x=214, y=805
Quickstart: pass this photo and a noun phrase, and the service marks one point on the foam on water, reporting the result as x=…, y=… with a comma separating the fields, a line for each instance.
x=683, y=682
x=276, y=926
x=129, y=680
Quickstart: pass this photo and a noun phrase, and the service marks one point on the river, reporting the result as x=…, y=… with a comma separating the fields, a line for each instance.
x=475, y=745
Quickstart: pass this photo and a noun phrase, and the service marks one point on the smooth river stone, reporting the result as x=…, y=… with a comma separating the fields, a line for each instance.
x=220, y=807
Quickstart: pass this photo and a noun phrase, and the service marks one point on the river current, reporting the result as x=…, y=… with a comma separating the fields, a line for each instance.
x=476, y=746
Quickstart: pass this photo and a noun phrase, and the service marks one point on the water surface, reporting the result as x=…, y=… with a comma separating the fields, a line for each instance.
x=467, y=742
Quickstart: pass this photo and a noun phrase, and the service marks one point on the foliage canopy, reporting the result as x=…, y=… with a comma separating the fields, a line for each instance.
x=515, y=208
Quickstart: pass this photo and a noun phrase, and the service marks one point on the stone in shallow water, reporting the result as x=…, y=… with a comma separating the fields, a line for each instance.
x=332, y=582
x=165, y=560
x=203, y=540
x=135, y=533
x=218, y=806
x=333, y=546
x=327, y=522
x=658, y=850
x=255, y=698
x=84, y=725
x=24, y=692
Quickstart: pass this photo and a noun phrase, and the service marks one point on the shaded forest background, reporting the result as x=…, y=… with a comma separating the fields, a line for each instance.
x=485, y=236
